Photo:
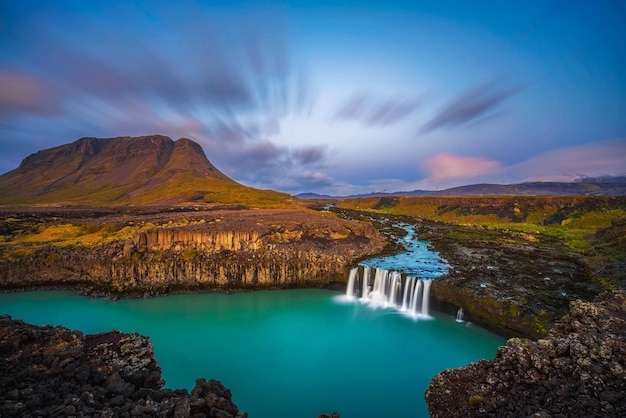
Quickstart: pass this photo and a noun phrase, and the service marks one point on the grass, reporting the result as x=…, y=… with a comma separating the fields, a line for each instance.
x=582, y=216
x=70, y=234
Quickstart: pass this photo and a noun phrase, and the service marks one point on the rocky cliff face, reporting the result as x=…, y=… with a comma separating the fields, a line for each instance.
x=218, y=250
x=578, y=370
x=52, y=371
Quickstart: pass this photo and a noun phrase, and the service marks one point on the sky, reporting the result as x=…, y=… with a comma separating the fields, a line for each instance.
x=331, y=97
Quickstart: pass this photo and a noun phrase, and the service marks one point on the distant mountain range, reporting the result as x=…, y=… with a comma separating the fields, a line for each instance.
x=143, y=170
x=603, y=186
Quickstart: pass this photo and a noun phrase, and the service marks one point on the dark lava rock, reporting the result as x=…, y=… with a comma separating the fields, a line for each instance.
x=52, y=371
x=579, y=370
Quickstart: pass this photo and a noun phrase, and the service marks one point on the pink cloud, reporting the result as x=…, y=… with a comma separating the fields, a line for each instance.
x=445, y=166
x=20, y=92
x=565, y=164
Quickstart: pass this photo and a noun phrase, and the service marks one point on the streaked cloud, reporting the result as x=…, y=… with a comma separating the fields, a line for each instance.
x=373, y=111
x=325, y=98
x=471, y=106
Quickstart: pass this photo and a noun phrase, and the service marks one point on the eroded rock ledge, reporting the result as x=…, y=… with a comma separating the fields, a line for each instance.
x=222, y=250
x=52, y=371
x=579, y=369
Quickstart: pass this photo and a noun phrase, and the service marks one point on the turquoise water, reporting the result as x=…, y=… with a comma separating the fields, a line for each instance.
x=291, y=353
x=418, y=260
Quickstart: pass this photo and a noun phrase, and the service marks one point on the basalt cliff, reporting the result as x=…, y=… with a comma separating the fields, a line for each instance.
x=178, y=251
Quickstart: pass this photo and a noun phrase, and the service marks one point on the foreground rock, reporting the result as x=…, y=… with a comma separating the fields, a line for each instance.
x=52, y=371
x=578, y=370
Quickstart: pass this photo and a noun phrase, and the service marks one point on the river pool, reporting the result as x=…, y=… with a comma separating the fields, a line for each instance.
x=290, y=353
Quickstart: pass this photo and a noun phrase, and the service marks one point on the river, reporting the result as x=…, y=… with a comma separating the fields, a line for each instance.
x=290, y=353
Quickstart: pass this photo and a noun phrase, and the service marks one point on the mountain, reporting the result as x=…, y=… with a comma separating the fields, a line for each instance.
x=535, y=189
x=595, y=187
x=144, y=170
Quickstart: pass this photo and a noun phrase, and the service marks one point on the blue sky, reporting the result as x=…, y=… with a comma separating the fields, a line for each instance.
x=329, y=97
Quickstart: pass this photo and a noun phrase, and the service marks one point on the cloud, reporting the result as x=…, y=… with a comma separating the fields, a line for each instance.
x=224, y=82
x=316, y=179
x=24, y=93
x=309, y=155
x=372, y=111
x=471, y=106
x=185, y=59
x=566, y=164
x=446, y=166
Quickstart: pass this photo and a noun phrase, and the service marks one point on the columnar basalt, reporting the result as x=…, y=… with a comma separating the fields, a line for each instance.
x=216, y=251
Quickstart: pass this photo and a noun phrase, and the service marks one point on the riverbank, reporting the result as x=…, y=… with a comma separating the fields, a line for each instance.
x=513, y=283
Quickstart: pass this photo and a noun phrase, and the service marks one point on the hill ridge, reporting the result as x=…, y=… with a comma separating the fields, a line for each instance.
x=532, y=188
x=150, y=169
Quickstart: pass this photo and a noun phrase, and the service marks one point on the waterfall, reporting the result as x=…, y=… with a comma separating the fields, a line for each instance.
x=380, y=281
x=351, y=280
x=366, y=290
x=415, y=297
x=459, y=315
x=407, y=288
x=390, y=289
x=426, y=297
x=393, y=292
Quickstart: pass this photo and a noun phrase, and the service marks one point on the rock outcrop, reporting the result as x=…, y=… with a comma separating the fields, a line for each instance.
x=52, y=371
x=213, y=250
x=578, y=370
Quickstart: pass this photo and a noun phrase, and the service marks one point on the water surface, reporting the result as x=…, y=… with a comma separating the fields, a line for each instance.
x=291, y=353
x=418, y=260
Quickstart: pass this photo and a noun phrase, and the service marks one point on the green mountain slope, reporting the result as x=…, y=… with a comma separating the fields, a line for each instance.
x=147, y=170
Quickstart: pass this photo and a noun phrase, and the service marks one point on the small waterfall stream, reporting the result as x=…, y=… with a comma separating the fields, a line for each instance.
x=387, y=288
x=402, y=281
x=459, y=315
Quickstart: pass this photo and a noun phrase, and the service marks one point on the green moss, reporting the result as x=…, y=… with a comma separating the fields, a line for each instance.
x=190, y=254
x=539, y=323
x=52, y=257
x=475, y=401
x=18, y=252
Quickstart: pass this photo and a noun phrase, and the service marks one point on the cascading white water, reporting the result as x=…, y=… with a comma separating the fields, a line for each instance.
x=393, y=289
x=459, y=315
x=351, y=280
x=387, y=288
x=365, y=292
x=415, y=297
x=407, y=288
x=380, y=281
x=425, y=297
